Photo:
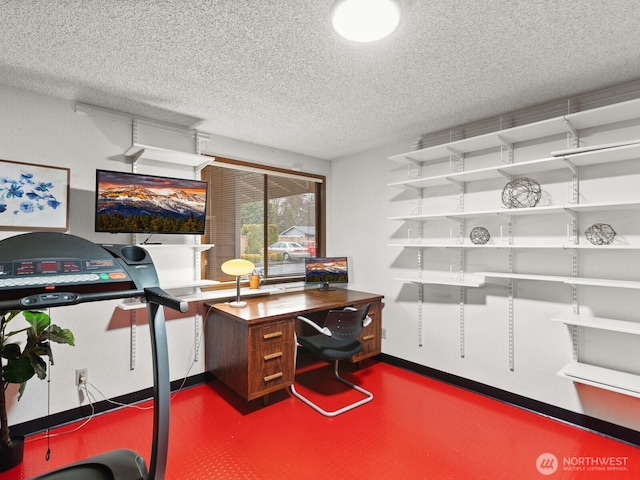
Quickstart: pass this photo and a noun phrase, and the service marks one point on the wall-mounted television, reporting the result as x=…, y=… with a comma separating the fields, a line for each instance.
x=325, y=271
x=138, y=203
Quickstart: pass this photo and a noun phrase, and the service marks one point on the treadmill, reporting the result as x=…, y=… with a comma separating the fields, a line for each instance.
x=39, y=270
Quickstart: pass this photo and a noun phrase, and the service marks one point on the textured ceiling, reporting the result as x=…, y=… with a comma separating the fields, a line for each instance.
x=272, y=72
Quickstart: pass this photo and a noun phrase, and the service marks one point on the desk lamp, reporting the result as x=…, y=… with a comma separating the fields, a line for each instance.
x=236, y=268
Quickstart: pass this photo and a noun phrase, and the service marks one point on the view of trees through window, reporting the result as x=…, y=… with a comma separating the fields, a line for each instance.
x=266, y=218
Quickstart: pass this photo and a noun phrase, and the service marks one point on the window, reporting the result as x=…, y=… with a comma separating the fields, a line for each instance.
x=271, y=217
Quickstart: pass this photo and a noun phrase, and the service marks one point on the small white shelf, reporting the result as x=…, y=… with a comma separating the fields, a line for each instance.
x=208, y=295
x=593, y=282
x=614, y=113
x=600, y=282
x=469, y=280
x=199, y=247
x=440, y=153
x=552, y=163
x=498, y=246
x=524, y=276
x=594, y=117
x=605, y=378
x=189, y=284
x=137, y=151
x=511, y=212
x=609, y=324
x=598, y=156
x=505, y=246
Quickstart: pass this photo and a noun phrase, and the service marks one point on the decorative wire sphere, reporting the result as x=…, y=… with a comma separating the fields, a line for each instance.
x=479, y=235
x=521, y=192
x=600, y=234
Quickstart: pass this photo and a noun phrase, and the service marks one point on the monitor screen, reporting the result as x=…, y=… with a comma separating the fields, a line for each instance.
x=137, y=203
x=325, y=271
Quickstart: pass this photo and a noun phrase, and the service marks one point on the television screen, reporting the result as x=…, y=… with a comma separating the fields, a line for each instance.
x=325, y=271
x=137, y=203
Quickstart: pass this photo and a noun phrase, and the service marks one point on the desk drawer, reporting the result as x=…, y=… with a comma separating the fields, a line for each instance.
x=371, y=336
x=270, y=368
x=269, y=334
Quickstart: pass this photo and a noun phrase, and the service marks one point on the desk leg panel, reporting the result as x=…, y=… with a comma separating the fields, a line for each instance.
x=226, y=352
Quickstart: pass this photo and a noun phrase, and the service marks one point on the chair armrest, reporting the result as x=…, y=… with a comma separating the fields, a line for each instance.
x=323, y=330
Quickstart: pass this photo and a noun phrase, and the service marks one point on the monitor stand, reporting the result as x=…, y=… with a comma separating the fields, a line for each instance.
x=325, y=287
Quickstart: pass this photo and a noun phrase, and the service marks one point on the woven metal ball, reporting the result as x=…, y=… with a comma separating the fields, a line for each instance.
x=600, y=234
x=521, y=192
x=479, y=235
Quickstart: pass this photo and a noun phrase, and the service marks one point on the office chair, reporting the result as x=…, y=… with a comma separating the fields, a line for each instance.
x=337, y=340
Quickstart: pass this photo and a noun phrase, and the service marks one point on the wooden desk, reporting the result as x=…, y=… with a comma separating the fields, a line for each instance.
x=251, y=349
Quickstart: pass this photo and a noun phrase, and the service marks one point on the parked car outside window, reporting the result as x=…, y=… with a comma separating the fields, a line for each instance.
x=310, y=246
x=290, y=250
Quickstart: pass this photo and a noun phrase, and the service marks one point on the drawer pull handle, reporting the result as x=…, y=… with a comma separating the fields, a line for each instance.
x=368, y=337
x=272, y=335
x=268, y=378
x=271, y=356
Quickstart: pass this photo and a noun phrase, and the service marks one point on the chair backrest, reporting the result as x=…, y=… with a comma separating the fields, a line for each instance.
x=346, y=324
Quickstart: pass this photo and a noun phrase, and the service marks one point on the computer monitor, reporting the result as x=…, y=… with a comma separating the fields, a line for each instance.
x=325, y=271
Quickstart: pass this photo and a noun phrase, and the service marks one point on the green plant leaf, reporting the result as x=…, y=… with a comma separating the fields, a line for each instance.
x=39, y=321
x=60, y=335
x=11, y=351
x=42, y=349
x=18, y=371
x=23, y=385
x=39, y=366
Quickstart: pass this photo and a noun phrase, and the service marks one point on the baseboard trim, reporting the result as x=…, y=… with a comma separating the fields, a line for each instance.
x=68, y=416
x=586, y=422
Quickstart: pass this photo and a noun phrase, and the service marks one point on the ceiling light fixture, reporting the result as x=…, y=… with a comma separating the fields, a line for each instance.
x=365, y=20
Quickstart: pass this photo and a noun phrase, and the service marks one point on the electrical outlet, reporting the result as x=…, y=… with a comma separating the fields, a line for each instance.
x=81, y=376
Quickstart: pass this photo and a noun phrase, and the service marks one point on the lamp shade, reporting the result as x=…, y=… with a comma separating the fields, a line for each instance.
x=237, y=267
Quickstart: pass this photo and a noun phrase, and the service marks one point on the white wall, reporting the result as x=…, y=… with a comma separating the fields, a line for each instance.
x=44, y=130
x=47, y=131
x=362, y=204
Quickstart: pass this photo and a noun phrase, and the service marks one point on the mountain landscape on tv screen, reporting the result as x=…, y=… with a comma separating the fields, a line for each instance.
x=132, y=208
x=326, y=271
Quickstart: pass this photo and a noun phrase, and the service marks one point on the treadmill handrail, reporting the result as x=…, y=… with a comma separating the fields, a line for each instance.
x=159, y=296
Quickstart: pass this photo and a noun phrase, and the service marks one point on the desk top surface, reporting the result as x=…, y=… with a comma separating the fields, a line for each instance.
x=270, y=307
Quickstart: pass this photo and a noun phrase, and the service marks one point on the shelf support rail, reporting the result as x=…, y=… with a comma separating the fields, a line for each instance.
x=574, y=198
x=511, y=311
x=413, y=169
x=461, y=267
x=197, y=318
x=572, y=130
x=511, y=269
x=419, y=261
x=508, y=146
x=420, y=300
x=132, y=339
x=456, y=160
x=134, y=140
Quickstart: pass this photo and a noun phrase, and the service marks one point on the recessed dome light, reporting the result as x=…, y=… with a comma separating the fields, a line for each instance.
x=365, y=20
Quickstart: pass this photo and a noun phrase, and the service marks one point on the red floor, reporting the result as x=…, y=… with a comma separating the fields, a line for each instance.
x=414, y=428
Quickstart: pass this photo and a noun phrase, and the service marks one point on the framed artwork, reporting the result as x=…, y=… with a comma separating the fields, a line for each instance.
x=33, y=197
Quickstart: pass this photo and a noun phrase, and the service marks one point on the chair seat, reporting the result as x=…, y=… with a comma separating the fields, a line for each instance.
x=328, y=347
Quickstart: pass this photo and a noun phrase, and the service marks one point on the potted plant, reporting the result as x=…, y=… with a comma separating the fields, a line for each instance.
x=19, y=364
